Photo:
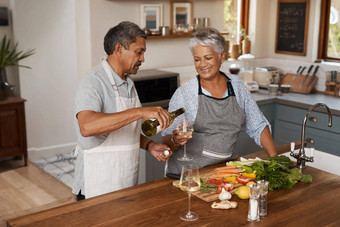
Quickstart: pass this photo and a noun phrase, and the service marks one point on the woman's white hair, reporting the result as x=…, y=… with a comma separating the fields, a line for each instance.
x=207, y=37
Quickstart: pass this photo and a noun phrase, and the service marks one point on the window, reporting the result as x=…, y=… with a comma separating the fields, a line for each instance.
x=329, y=38
x=236, y=14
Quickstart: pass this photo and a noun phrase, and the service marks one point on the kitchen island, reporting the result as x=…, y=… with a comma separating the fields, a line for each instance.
x=159, y=203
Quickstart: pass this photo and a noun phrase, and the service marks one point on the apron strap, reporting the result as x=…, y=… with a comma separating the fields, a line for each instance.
x=104, y=63
x=229, y=85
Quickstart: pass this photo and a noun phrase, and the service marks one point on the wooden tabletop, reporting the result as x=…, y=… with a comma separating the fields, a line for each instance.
x=159, y=203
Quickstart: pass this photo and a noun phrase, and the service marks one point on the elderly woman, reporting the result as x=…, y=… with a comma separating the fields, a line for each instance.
x=218, y=106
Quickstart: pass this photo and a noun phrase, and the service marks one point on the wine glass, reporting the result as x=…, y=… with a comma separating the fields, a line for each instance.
x=190, y=182
x=186, y=129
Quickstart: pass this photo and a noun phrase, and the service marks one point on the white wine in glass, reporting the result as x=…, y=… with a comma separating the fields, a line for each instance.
x=186, y=129
x=189, y=182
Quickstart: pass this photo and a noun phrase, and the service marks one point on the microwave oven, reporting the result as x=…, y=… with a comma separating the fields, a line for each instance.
x=155, y=87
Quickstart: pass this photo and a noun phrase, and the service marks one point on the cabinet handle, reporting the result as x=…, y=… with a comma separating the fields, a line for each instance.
x=313, y=119
x=310, y=140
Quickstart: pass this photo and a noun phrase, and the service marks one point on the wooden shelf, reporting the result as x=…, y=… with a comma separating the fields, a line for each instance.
x=171, y=36
x=176, y=35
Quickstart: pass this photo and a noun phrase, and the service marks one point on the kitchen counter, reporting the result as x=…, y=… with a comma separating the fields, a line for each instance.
x=299, y=100
x=159, y=203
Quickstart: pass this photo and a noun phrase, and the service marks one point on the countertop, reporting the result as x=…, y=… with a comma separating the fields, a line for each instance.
x=159, y=203
x=299, y=100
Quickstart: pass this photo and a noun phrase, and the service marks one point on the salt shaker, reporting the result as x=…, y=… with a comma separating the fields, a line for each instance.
x=253, y=209
x=263, y=197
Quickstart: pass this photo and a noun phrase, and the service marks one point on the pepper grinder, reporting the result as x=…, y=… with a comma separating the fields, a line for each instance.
x=263, y=197
x=253, y=209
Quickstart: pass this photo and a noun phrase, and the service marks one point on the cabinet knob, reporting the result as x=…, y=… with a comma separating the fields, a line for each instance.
x=313, y=119
x=310, y=140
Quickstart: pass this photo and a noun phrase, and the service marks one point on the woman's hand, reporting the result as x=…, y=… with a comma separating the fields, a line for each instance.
x=178, y=139
x=157, y=150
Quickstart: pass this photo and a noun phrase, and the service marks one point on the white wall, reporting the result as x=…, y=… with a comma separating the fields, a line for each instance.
x=160, y=53
x=50, y=86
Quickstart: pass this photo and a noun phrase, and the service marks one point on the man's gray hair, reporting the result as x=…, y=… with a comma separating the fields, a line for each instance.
x=124, y=33
x=208, y=37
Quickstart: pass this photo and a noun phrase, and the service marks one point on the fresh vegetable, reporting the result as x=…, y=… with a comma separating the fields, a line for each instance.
x=207, y=187
x=225, y=186
x=224, y=195
x=230, y=179
x=215, y=181
x=249, y=175
x=306, y=178
x=243, y=180
x=277, y=172
x=248, y=169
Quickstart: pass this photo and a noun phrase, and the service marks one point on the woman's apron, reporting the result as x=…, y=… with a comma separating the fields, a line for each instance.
x=217, y=127
x=114, y=164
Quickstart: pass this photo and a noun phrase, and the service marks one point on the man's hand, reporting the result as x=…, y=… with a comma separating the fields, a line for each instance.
x=157, y=112
x=157, y=150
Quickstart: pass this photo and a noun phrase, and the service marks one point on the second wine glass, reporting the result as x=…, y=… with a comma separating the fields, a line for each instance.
x=189, y=182
x=186, y=129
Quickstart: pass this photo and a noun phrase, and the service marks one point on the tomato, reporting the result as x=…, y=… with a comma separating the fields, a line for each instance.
x=215, y=181
x=243, y=180
x=226, y=186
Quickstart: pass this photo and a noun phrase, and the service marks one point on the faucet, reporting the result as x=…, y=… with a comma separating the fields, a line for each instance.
x=301, y=156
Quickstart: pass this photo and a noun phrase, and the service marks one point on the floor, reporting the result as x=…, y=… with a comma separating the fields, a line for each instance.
x=28, y=189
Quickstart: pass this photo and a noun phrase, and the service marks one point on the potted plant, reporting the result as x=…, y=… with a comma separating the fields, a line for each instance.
x=9, y=57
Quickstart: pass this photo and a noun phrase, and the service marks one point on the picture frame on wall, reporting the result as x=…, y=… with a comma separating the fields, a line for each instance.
x=151, y=16
x=3, y=16
x=181, y=15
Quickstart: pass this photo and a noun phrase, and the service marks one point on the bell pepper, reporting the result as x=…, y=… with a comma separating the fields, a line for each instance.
x=250, y=175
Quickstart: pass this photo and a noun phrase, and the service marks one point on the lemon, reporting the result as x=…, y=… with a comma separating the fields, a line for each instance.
x=242, y=192
x=249, y=183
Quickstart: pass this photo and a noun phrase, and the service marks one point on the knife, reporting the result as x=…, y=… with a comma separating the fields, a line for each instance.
x=313, y=76
x=303, y=69
x=304, y=80
x=297, y=72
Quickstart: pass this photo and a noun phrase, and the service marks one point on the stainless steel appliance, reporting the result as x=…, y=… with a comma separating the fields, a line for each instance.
x=155, y=87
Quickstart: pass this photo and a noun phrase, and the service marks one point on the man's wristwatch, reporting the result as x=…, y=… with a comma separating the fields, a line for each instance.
x=147, y=145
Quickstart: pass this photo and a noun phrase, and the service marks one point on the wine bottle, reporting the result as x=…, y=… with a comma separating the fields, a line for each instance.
x=151, y=127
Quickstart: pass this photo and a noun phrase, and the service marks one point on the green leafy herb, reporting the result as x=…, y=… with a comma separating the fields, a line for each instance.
x=206, y=187
x=277, y=172
x=306, y=178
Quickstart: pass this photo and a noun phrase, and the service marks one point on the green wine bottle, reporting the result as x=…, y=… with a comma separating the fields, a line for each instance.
x=151, y=127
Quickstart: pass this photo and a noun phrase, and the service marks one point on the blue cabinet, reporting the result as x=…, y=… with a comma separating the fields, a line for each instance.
x=288, y=128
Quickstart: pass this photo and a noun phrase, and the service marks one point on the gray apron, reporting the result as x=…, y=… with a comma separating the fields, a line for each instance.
x=217, y=127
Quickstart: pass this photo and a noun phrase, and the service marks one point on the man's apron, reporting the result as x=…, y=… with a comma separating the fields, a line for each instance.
x=114, y=164
x=217, y=126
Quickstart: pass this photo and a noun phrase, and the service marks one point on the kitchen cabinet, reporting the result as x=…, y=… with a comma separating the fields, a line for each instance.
x=13, y=128
x=288, y=128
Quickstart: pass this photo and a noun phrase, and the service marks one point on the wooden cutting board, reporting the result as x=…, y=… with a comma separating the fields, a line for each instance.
x=207, y=197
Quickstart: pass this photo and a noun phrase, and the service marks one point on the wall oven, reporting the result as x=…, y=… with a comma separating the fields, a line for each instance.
x=155, y=87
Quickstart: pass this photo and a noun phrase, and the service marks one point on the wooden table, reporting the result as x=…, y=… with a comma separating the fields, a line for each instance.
x=158, y=203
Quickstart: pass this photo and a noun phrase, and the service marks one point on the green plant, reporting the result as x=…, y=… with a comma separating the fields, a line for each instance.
x=10, y=57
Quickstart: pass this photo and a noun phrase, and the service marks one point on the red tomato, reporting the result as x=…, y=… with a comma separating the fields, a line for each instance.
x=226, y=186
x=215, y=181
x=243, y=180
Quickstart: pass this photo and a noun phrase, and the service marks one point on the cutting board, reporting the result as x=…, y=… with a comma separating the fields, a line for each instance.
x=207, y=197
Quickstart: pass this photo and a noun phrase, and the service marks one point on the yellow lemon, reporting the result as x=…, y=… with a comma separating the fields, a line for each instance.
x=242, y=192
x=249, y=183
